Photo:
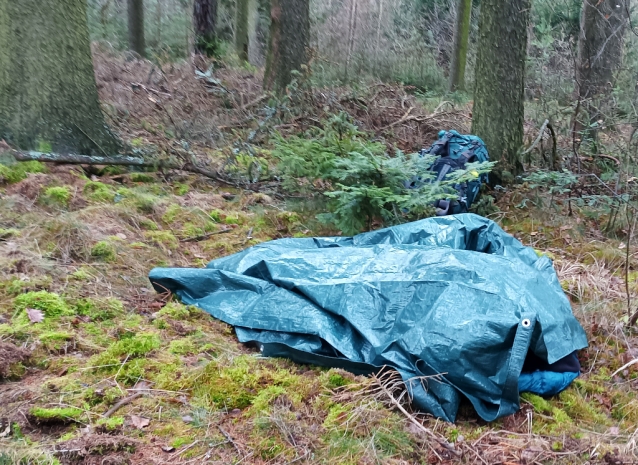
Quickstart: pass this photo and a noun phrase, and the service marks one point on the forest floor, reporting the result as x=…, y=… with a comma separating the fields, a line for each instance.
x=97, y=368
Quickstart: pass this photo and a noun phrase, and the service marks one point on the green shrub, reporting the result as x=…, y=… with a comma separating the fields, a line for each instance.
x=362, y=182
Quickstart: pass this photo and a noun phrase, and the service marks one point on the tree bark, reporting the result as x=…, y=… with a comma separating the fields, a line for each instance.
x=461, y=39
x=48, y=94
x=499, y=84
x=245, y=27
x=136, y=27
x=289, y=39
x=600, y=45
x=204, y=20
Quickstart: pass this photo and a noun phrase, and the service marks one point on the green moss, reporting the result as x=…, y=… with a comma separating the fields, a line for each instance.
x=19, y=171
x=56, y=415
x=111, y=423
x=137, y=142
x=162, y=239
x=99, y=309
x=50, y=303
x=144, y=203
x=44, y=146
x=142, y=177
x=104, y=251
x=179, y=442
x=80, y=275
x=55, y=340
x=581, y=408
x=136, y=346
x=181, y=189
x=59, y=195
x=98, y=191
x=8, y=233
x=217, y=216
x=148, y=224
x=171, y=213
x=264, y=399
x=182, y=347
x=177, y=311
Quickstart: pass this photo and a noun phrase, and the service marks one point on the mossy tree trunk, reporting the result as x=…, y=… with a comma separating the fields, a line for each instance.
x=289, y=39
x=48, y=95
x=245, y=27
x=204, y=20
x=136, y=40
x=499, y=82
x=461, y=39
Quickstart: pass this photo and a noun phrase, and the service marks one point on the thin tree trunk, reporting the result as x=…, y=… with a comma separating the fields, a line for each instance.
x=352, y=24
x=204, y=21
x=499, y=86
x=48, y=95
x=242, y=34
x=289, y=39
x=461, y=39
x=378, y=44
x=136, y=27
x=600, y=45
x=600, y=50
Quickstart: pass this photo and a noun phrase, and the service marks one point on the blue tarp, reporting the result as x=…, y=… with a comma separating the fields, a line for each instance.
x=451, y=296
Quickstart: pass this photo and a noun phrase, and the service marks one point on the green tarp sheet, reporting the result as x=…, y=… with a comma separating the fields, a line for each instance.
x=452, y=296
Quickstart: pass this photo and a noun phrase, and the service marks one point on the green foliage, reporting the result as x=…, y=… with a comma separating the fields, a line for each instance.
x=363, y=183
x=104, y=251
x=59, y=195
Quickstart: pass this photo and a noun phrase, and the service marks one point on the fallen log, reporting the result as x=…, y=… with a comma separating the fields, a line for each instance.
x=120, y=160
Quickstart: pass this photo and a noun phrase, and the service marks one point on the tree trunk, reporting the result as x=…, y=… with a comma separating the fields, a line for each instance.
x=600, y=45
x=245, y=25
x=289, y=38
x=48, y=95
x=461, y=39
x=204, y=18
x=136, y=27
x=499, y=84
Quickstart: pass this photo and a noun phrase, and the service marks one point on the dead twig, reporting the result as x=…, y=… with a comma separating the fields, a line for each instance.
x=230, y=439
x=122, y=403
x=442, y=442
x=203, y=237
x=538, y=138
x=403, y=119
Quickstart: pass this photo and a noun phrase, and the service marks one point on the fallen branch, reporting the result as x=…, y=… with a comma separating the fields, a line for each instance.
x=538, y=138
x=122, y=403
x=120, y=160
x=230, y=439
x=203, y=237
x=403, y=119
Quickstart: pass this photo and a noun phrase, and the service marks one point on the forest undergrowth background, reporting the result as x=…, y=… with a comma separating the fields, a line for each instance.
x=98, y=368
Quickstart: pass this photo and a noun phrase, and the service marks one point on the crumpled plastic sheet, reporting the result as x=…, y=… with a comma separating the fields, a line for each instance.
x=452, y=303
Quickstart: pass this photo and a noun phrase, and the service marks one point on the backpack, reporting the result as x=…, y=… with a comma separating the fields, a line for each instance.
x=454, y=150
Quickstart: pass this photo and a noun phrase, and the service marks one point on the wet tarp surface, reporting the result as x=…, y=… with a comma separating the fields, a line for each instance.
x=453, y=296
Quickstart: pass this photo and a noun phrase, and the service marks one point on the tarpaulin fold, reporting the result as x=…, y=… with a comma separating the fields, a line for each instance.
x=452, y=303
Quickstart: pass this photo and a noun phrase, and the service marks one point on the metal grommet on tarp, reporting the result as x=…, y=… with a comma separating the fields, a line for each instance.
x=526, y=323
